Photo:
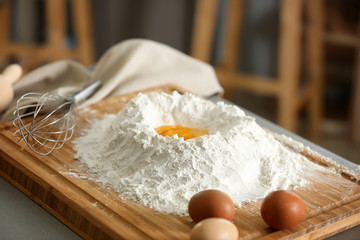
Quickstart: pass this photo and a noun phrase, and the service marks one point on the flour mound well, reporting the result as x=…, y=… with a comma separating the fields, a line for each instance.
x=237, y=156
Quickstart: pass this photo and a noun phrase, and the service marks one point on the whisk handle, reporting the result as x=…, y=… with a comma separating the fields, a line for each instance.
x=86, y=92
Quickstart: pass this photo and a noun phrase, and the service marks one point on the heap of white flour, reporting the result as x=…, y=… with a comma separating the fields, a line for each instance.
x=237, y=156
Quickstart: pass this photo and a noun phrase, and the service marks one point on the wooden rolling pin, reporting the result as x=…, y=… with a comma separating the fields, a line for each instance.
x=10, y=75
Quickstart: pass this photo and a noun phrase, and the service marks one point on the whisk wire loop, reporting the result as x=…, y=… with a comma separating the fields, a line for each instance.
x=47, y=131
x=46, y=121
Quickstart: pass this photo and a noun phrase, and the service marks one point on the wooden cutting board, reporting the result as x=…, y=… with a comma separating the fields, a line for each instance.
x=66, y=190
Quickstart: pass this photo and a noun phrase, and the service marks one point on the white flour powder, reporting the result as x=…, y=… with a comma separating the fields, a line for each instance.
x=237, y=156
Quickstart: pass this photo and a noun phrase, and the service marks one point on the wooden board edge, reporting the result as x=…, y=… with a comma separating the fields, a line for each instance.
x=332, y=229
x=16, y=177
x=316, y=157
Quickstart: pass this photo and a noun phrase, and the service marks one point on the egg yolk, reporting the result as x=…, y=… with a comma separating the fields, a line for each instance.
x=185, y=132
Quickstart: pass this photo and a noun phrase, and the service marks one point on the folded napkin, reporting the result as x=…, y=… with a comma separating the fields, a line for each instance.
x=128, y=66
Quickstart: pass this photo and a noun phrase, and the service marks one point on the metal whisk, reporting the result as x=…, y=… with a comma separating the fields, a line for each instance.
x=46, y=121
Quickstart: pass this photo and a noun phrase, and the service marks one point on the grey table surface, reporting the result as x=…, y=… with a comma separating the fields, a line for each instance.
x=22, y=218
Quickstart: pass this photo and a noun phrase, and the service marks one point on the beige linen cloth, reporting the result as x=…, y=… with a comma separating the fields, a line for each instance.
x=128, y=66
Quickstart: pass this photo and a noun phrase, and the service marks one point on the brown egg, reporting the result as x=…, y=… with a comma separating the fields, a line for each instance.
x=209, y=204
x=283, y=209
x=214, y=229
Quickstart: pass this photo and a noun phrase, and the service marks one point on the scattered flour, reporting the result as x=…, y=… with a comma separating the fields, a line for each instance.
x=237, y=156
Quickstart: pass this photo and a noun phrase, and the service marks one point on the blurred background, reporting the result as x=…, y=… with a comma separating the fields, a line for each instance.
x=294, y=62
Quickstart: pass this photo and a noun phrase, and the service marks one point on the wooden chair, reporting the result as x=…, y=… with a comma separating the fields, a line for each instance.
x=356, y=97
x=286, y=87
x=343, y=35
x=33, y=55
x=356, y=100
